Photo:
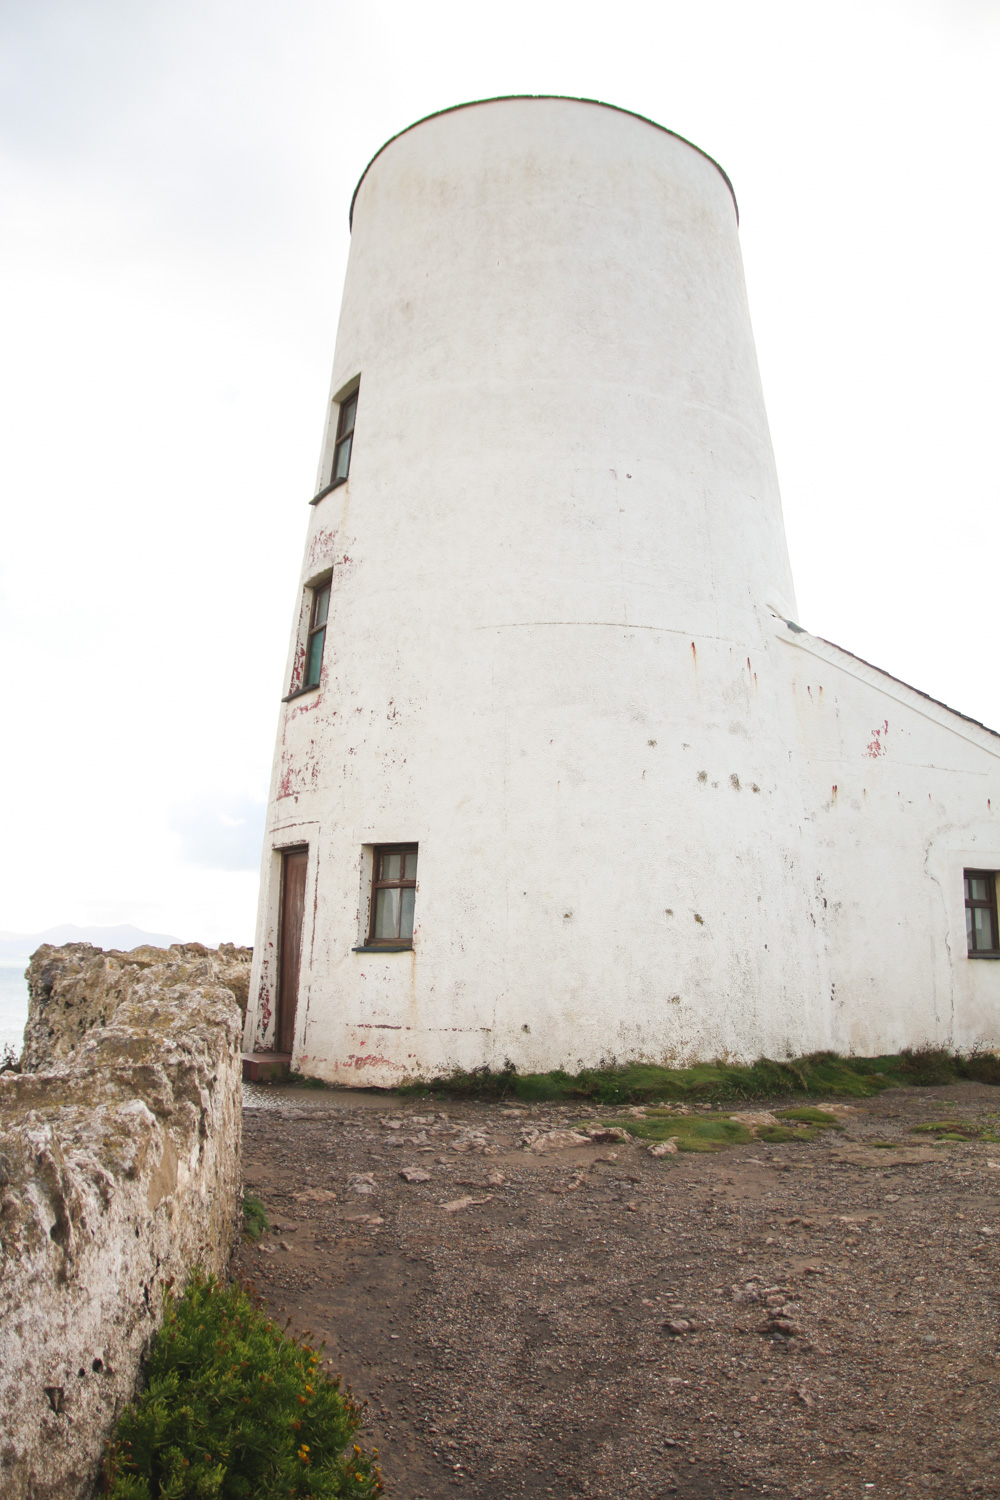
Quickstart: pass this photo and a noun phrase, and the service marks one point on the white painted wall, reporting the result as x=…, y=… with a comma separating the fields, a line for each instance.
x=557, y=656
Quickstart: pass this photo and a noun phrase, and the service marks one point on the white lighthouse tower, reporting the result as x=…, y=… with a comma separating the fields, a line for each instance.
x=542, y=791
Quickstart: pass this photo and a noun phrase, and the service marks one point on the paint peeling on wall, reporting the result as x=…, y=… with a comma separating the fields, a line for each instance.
x=876, y=745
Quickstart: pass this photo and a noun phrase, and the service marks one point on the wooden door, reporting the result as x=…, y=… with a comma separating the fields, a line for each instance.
x=293, y=901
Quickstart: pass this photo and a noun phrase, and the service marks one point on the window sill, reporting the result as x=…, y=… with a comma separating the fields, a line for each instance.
x=383, y=948
x=301, y=692
x=324, y=492
x=993, y=956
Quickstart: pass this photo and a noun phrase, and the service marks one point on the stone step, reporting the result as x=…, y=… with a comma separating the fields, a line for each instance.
x=266, y=1067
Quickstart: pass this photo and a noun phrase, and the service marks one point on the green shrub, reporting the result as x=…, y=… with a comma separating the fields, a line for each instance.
x=983, y=1067
x=927, y=1066
x=236, y=1409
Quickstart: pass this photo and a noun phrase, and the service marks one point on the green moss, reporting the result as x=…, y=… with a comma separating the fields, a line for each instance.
x=820, y=1074
x=955, y=1130
x=809, y=1115
x=775, y=1134
x=692, y=1132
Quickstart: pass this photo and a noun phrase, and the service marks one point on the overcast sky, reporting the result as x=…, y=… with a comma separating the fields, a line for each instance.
x=175, y=178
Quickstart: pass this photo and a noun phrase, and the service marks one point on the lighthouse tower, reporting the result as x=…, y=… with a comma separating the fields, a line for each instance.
x=534, y=795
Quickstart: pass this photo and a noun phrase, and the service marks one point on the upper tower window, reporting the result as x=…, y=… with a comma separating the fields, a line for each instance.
x=981, y=914
x=317, y=634
x=345, y=437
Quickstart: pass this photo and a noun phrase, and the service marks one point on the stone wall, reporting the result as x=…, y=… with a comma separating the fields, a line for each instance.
x=119, y=1171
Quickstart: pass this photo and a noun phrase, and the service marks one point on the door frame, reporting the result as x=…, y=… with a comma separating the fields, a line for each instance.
x=285, y=853
x=259, y=1031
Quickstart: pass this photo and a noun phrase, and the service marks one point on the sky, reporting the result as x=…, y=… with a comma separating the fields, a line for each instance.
x=175, y=177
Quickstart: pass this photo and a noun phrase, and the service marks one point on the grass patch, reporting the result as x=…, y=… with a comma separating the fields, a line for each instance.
x=692, y=1132
x=234, y=1408
x=821, y=1073
x=255, y=1220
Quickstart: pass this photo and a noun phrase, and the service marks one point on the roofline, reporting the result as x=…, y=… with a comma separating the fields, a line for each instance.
x=910, y=688
x=569, y=98
x=957, y=713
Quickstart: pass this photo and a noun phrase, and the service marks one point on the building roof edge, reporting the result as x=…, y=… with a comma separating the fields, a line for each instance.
x=842, y=651
x=569, y=98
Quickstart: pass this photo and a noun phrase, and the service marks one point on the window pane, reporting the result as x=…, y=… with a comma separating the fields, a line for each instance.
x=315, y=658
x=321, y=605
x=342, y=459
x=977, y=888
x=345, y=422
x=391, y=864
x=386, y=914
x=968, y=926
x=410, y=868
x=406, y=913
x=982, y=927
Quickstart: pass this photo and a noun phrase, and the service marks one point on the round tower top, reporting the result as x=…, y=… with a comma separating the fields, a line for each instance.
x=569, y=99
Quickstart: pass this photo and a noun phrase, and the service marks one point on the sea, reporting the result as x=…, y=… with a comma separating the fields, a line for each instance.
x=13, y=1004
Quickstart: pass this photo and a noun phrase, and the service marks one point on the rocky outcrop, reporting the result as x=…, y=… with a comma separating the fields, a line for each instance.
x=119, y=1172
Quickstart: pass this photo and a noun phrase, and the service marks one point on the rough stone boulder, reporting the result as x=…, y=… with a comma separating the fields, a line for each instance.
x=119, y=1171
x=78, y=987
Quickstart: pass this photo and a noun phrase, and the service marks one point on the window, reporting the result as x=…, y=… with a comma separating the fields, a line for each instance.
x=345, y=437
x=317, y=635
x=981, y=913
x=394, y=884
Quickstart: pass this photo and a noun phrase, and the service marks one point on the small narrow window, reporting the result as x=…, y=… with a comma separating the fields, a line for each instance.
x=345, y=437
x=317, y=634
x=981, y=913
x=394, y=888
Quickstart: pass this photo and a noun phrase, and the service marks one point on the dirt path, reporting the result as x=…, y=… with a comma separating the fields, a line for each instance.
x=841, y=1301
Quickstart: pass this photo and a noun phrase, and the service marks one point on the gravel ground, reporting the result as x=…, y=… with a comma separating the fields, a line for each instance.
x=834, y=1305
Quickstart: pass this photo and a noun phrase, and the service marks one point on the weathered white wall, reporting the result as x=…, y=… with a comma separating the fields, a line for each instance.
x=553, y=658
x=900, y=795
x=119, y=1170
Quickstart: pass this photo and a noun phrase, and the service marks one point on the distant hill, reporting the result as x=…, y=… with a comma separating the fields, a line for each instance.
x=18, y=945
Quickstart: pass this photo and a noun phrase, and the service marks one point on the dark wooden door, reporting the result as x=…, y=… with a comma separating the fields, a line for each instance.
x=293, y=901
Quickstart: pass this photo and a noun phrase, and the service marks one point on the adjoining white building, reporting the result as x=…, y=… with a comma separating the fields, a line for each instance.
x=559, y=780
